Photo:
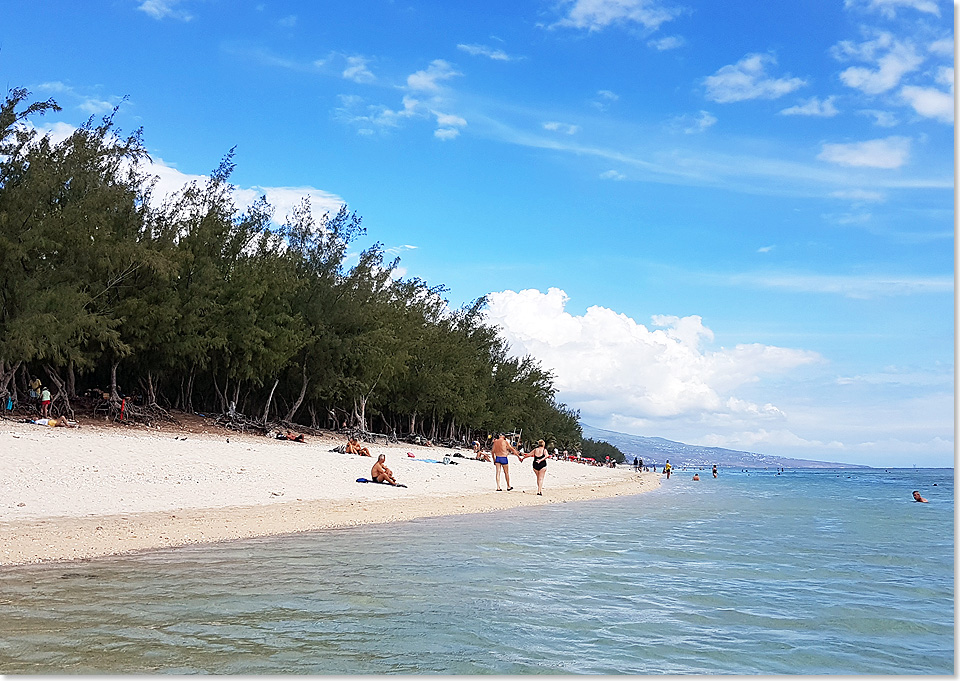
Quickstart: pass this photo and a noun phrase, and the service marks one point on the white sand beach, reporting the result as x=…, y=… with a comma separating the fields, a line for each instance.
x=68, y=494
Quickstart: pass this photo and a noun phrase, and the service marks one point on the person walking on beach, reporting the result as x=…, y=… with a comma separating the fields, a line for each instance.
x=501, y=451
x=45, y=402
x=539, y=454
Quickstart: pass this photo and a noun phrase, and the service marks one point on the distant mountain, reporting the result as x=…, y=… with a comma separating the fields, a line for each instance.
x=657, y=450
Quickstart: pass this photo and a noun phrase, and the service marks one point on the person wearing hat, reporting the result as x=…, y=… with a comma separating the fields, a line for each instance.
x=45, y=402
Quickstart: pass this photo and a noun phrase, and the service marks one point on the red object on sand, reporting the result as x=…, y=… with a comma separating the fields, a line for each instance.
x=410, y=454
x=123, y=406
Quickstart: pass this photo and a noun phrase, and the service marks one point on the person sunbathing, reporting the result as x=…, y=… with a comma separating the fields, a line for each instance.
x=380, y=472
x=353, y=447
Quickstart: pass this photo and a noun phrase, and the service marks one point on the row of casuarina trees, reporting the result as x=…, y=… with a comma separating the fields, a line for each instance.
x=193, y=304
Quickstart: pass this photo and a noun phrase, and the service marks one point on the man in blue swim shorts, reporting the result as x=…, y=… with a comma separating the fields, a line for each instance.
x=501, y=451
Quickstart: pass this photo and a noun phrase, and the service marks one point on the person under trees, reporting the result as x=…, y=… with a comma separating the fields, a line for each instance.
x=201, y=305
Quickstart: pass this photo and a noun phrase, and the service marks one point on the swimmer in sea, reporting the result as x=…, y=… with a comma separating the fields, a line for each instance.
x=917, y=497
x=696, y=476
x=539, y=455
x=501, y=451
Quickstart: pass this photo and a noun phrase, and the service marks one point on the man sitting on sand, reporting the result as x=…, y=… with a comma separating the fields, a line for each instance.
x=353, y=447
x=380, y=472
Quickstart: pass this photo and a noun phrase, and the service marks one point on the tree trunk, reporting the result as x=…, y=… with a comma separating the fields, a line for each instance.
x=188, y=396
x=313, y=417
x=6, y=378
x=303, y=393
x=71, y=381
x=151, y=391
x=266, y=409
x=114, y=393
x=61, y=389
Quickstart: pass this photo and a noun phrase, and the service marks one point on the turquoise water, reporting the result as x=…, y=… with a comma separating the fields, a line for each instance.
x=808, y=572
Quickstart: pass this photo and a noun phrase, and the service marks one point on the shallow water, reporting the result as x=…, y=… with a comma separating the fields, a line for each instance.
x=808, y=572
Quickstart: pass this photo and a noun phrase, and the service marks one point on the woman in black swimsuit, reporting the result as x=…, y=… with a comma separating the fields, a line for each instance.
x=539, y=455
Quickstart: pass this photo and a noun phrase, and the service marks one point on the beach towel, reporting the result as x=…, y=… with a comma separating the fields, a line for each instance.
x=380, y=483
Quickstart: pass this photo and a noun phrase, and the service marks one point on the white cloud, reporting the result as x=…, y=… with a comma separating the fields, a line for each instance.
x=813, y=107
x=565, y=128
x=890, y=152
x=867, y=286
x=88, y=103
x=485, y=51
x=888, y=8
x=748, y=79
x=595, y=15
x=357, y=70
x=428, y=80
x=884, y=119
x=448, y=126
x=930, y=102
x=942, y=47
x=288, y=21
x=693, y=125
x=765, y=249
x=612, y=175
x=161, y=9
x=670, y=42
x=858, y=195
x=607, y=364
x=890, y=59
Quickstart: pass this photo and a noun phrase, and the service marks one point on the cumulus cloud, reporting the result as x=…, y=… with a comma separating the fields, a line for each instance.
x=670, y=42
x=889, y=152
x=596, y=15
x=612, y=175
x=930, y=102
x=161, y=9
x=428, y=79
x=883, y=119
x=608, y=365
x=357, y=70
x=888, y=8
x=565, y=128
x=888, y=61
x=485, y=51
x=748, y=79
x=813, y=107
x=448, y=126
x=91, y=104
x=693, y=125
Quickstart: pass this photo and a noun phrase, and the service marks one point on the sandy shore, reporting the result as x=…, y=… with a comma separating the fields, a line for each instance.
x=73, y=494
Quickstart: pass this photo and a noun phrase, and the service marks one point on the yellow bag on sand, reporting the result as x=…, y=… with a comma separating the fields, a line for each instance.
x=51, y=422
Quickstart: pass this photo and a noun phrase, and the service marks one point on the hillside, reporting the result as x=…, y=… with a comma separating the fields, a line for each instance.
x=657, y=450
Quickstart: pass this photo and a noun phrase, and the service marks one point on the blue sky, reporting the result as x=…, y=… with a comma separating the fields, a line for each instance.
x=725, y=224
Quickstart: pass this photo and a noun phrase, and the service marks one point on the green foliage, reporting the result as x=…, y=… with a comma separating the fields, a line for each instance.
x=202, y=304
x=600, y=450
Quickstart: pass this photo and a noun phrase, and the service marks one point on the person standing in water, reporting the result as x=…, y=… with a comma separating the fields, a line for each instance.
x=714, y=470
x=501, y=451
x=539, y=455
x=667, y=468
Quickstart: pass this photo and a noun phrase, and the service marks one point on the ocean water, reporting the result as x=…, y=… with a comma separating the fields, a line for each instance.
x=807, y=572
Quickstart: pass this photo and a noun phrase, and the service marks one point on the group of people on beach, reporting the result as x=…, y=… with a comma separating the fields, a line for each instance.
x=501, y=450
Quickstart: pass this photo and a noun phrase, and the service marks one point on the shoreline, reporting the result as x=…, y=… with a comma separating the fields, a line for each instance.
x=68, y=495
